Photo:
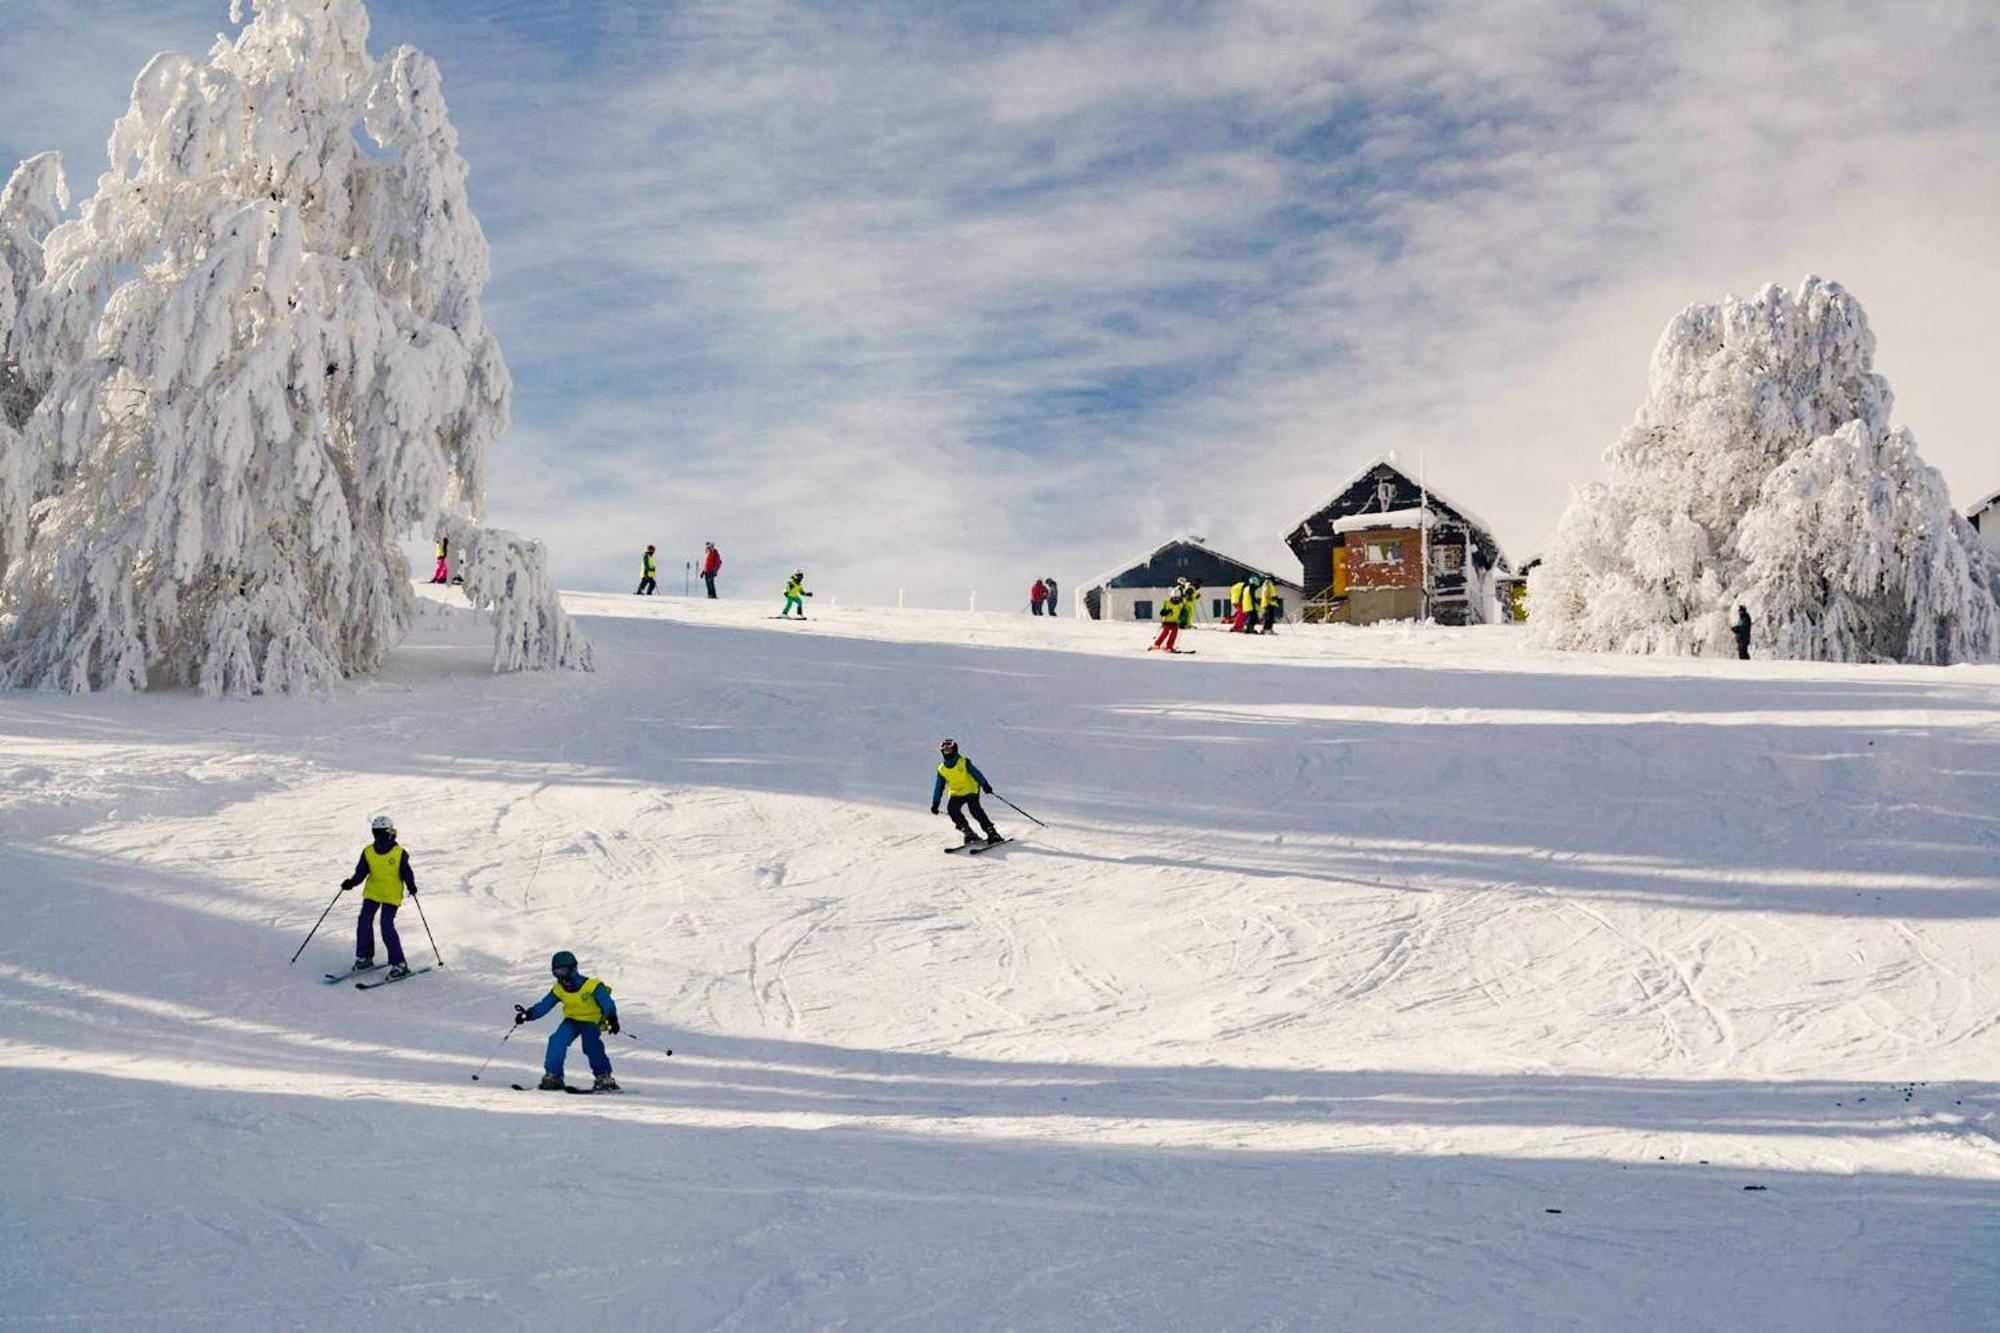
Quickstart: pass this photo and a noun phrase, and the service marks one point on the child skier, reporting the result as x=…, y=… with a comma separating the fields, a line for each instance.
x=962, y=778
x=385, y=868
x=442, y=574
x=649, y=574
x=795, y=593
x=588, y=1010
x=1170, y=624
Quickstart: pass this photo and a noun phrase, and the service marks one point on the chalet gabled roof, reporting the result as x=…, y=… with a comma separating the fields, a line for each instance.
x=1199, y=560
x=1984, y=505
x=1358, y=496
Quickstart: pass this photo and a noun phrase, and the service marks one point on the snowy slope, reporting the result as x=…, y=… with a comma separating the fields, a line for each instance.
x=1349, y=957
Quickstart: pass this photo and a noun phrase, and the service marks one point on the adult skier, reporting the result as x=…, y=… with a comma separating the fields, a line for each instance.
x=1267, y=603
x=1742, y=631
x=711, y=565
x=1037, y=595
x=1239, y=605
x=1170, y=624
x=1049, y=587
x=649, y=574
x=442, y=574
x=961, y=777
x=385, y=868
x=588, y=1010
x=795, y=595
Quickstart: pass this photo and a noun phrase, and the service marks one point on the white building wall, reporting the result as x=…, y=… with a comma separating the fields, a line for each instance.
x=1119, y=603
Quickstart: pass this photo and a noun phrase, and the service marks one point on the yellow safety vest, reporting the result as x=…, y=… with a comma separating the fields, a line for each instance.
x=647, y=567
x=958, y=779
x=578, y=1004
x=1170, y=614
x=1236, y=597
x=1188, y=605
x=385, y=875
x=795, y=588
x=1267, y=595
x=440, y=550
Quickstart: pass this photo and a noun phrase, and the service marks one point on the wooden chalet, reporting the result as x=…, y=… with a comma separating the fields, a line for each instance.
x=1384, y=547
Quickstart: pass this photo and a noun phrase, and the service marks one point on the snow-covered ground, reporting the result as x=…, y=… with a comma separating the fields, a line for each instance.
x=1364, y=978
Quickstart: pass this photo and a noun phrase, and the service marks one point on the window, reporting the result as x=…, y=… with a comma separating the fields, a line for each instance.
x=1385, y=553
x=1142, y=610
x=1217, y=608
x=1449, y=559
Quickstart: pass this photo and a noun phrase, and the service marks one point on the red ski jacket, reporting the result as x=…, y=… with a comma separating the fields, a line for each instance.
x=711, y=562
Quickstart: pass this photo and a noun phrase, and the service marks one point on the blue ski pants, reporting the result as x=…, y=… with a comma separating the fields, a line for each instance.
x=793, y=604
x=568, y=1031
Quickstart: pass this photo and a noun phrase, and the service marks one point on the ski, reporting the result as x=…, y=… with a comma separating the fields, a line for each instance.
x=567, y=1087
x=390, y=981
x=333, y=977
x=975, y=848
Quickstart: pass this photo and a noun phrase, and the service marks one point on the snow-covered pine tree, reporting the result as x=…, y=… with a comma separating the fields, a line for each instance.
x=1656, y=557
x=256, y=360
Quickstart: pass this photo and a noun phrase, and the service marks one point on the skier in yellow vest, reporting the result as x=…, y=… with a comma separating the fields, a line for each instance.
x=1267, y=603
x=385, y=868
x=961, y=777
x=588, y=1010
x=795, y=595
x=649, y=574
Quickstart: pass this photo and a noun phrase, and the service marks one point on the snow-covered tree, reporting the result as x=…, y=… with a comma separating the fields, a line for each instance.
x=1763, y=449
x=1854, y=553
x=256, y=360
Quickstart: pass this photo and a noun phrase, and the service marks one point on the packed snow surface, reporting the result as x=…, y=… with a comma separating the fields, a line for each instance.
x=1362, y=978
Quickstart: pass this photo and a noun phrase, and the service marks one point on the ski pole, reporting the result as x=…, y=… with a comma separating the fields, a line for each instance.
x=1016, y=809
x=427, y=927
x=496, y=1050
x=316, y=925
x=649, y=1045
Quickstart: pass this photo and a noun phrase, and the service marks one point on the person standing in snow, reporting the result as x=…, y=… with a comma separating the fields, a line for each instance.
x=795, y=595
x=385, y=868
x=1170, y=624
x=1037, y=595
x=961, y=777
x=442, y=574
x=1049, y=586
x=588, y=1010
x=1239, y=605
x=711, y=565
x=1267, y=603
x=649, y=574
x=1742, y=631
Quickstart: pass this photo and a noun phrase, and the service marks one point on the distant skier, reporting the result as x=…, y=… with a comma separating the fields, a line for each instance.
x=1037, y=595
x=588, y=1010
x=795, y=595
x=385, y=868
x=442, y=574
x=649, y=574
x=961, y=777
x=1239, y=604
x=1049, y=587
x=711, y=565
x=1742, y=631
x=1170, y=624
x=1267, y=603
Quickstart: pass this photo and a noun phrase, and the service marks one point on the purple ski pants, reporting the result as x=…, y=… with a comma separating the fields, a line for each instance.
x=364, y=934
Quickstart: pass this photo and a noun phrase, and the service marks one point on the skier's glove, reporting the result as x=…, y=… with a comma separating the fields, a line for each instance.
x=611, y=1021
x=520, y=1015
x=987, y=790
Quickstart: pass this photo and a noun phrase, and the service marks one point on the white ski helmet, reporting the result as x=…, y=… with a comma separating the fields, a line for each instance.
x=382, y=824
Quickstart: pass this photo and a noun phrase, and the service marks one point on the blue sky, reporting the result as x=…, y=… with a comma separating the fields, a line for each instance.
x=944, y=296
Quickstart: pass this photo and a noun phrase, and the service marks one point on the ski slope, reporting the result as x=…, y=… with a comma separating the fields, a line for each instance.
x=1363, y=978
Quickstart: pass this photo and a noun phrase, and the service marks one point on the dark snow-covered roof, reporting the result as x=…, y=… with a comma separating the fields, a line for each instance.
x=1359, y=496
x=1183, y=557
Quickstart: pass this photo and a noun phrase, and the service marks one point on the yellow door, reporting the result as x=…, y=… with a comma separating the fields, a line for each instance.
x=1340, y=571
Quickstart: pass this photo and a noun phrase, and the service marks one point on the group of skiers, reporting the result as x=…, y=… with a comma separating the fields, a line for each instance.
x=586, y=1002
x=649, y=570
x=1042, y=596
x=1254, y=605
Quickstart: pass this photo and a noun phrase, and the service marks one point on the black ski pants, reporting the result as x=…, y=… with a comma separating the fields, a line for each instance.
x=646, y=587
x=709, y=579
x=958, y=805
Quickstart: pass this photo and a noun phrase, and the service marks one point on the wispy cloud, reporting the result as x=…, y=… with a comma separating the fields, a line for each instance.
x=938, y=296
